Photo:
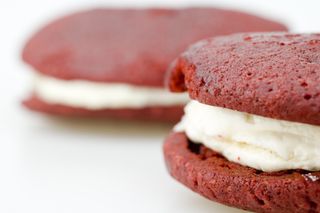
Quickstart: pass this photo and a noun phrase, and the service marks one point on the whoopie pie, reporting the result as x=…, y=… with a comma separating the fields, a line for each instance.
x=112, y=62
x=250, y=136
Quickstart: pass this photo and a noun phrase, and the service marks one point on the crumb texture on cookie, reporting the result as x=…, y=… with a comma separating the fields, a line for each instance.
x=209, y=174
x=275, y=75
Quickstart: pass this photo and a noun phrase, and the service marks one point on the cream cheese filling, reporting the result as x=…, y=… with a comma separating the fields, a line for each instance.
x=262, y=143
x=97, y=95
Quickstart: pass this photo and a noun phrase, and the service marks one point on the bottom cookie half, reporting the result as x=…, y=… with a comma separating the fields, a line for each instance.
x=211, y=175
x=158, y=113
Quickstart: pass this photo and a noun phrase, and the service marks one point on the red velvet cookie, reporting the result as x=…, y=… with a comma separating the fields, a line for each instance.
x=259, y=82
x=273, y=75
x=208, y=173
x=129, y=46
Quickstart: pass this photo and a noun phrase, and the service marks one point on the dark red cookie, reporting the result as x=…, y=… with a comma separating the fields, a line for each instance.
x=166, y=114
x=273, y=75
x=211, y=175
x=131, y=46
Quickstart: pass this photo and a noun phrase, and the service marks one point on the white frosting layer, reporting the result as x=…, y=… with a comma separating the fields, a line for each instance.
x=96, y=95
x=255, y=141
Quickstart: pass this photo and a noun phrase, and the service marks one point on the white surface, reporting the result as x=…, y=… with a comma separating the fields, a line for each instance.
x=98, y=95
x=50, y=165
x=250, y=139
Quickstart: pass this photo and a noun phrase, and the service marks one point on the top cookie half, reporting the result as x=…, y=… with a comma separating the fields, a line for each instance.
x=275, y=75
x=127, y=45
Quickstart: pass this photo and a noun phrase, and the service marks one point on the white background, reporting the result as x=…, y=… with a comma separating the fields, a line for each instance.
x=61, y=165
